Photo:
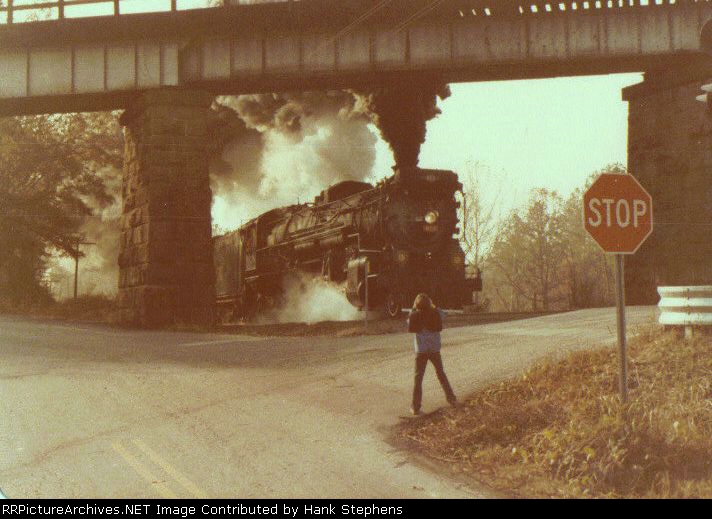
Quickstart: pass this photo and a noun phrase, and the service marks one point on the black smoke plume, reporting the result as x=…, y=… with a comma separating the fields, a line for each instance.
x=401, y=113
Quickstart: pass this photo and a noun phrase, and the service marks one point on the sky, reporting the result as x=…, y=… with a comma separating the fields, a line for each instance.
x=550, y=133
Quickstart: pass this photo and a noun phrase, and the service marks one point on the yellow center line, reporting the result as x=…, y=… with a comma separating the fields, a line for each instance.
x=142, y=471
x=180, y=478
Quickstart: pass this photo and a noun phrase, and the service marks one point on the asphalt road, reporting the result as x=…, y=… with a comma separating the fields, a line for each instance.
x=90, y=411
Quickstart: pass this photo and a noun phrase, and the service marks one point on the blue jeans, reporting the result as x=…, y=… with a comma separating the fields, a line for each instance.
x=421, y=361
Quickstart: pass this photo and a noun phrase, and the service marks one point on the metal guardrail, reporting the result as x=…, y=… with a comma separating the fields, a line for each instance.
x=685, y=306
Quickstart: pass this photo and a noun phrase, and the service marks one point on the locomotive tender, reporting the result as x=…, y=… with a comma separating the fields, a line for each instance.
x=398, y=232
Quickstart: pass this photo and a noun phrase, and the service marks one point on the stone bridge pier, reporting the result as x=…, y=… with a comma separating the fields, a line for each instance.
x=670, y=152
x=166, y=255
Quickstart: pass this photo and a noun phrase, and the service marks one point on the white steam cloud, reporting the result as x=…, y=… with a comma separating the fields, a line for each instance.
x=312, y=299
x=281, y=150
x=287, y=149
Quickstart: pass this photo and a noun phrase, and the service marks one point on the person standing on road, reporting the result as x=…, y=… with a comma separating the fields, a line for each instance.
x=426, y=322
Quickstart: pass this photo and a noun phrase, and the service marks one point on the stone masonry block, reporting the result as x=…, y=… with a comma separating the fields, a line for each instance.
x=196, y=127
x=670, y=152
x=165, y=259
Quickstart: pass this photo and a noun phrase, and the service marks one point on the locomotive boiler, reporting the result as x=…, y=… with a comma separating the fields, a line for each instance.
x=385, y=243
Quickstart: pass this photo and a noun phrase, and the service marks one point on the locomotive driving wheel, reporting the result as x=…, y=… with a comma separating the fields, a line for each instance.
x=393, y=304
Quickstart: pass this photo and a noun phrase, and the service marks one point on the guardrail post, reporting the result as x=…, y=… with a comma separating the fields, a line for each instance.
x=688, y=310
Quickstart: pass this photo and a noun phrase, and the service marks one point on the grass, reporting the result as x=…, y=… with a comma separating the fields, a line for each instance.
x=560, y=429
x=85, y=308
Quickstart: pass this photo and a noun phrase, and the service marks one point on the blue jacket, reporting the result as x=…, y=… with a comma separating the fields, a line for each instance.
x=426, y=327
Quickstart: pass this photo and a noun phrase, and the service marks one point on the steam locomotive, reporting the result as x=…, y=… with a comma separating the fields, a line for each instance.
x=386, y=242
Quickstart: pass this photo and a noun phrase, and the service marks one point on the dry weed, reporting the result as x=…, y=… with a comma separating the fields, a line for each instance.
x=560, y=429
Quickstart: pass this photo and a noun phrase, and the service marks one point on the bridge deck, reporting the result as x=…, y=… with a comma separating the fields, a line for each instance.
x=101, y=62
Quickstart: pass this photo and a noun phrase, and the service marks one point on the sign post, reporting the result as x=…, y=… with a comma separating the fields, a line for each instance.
x=620, y=321
x=618, y=214
x=76, y=255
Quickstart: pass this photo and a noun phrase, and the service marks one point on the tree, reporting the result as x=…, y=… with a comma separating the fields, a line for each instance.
x=528, y=250
x=50, y=179
x=542, y=257
x=477, y=214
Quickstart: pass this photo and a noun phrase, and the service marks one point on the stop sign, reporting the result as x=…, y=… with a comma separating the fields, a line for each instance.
x=618, y=213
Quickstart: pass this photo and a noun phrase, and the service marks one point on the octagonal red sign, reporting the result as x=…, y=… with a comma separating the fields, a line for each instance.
x=618, y=213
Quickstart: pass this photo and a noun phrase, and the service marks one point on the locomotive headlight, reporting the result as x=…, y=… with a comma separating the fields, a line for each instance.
x=402, y=256
x=431, y=217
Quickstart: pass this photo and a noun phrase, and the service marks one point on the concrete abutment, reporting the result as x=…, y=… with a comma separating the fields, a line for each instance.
x=166, y=256
x=670, y=153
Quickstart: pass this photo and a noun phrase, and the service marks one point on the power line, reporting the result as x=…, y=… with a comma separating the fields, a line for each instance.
x=418, y=14
x=351, y=26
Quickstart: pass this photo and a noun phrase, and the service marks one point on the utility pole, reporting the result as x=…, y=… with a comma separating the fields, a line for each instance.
x=76, y=264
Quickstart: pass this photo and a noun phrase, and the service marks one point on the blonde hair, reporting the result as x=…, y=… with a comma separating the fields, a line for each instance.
x=422, y=302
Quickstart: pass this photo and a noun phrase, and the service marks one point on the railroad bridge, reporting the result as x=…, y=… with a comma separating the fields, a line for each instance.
x=163, y=69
